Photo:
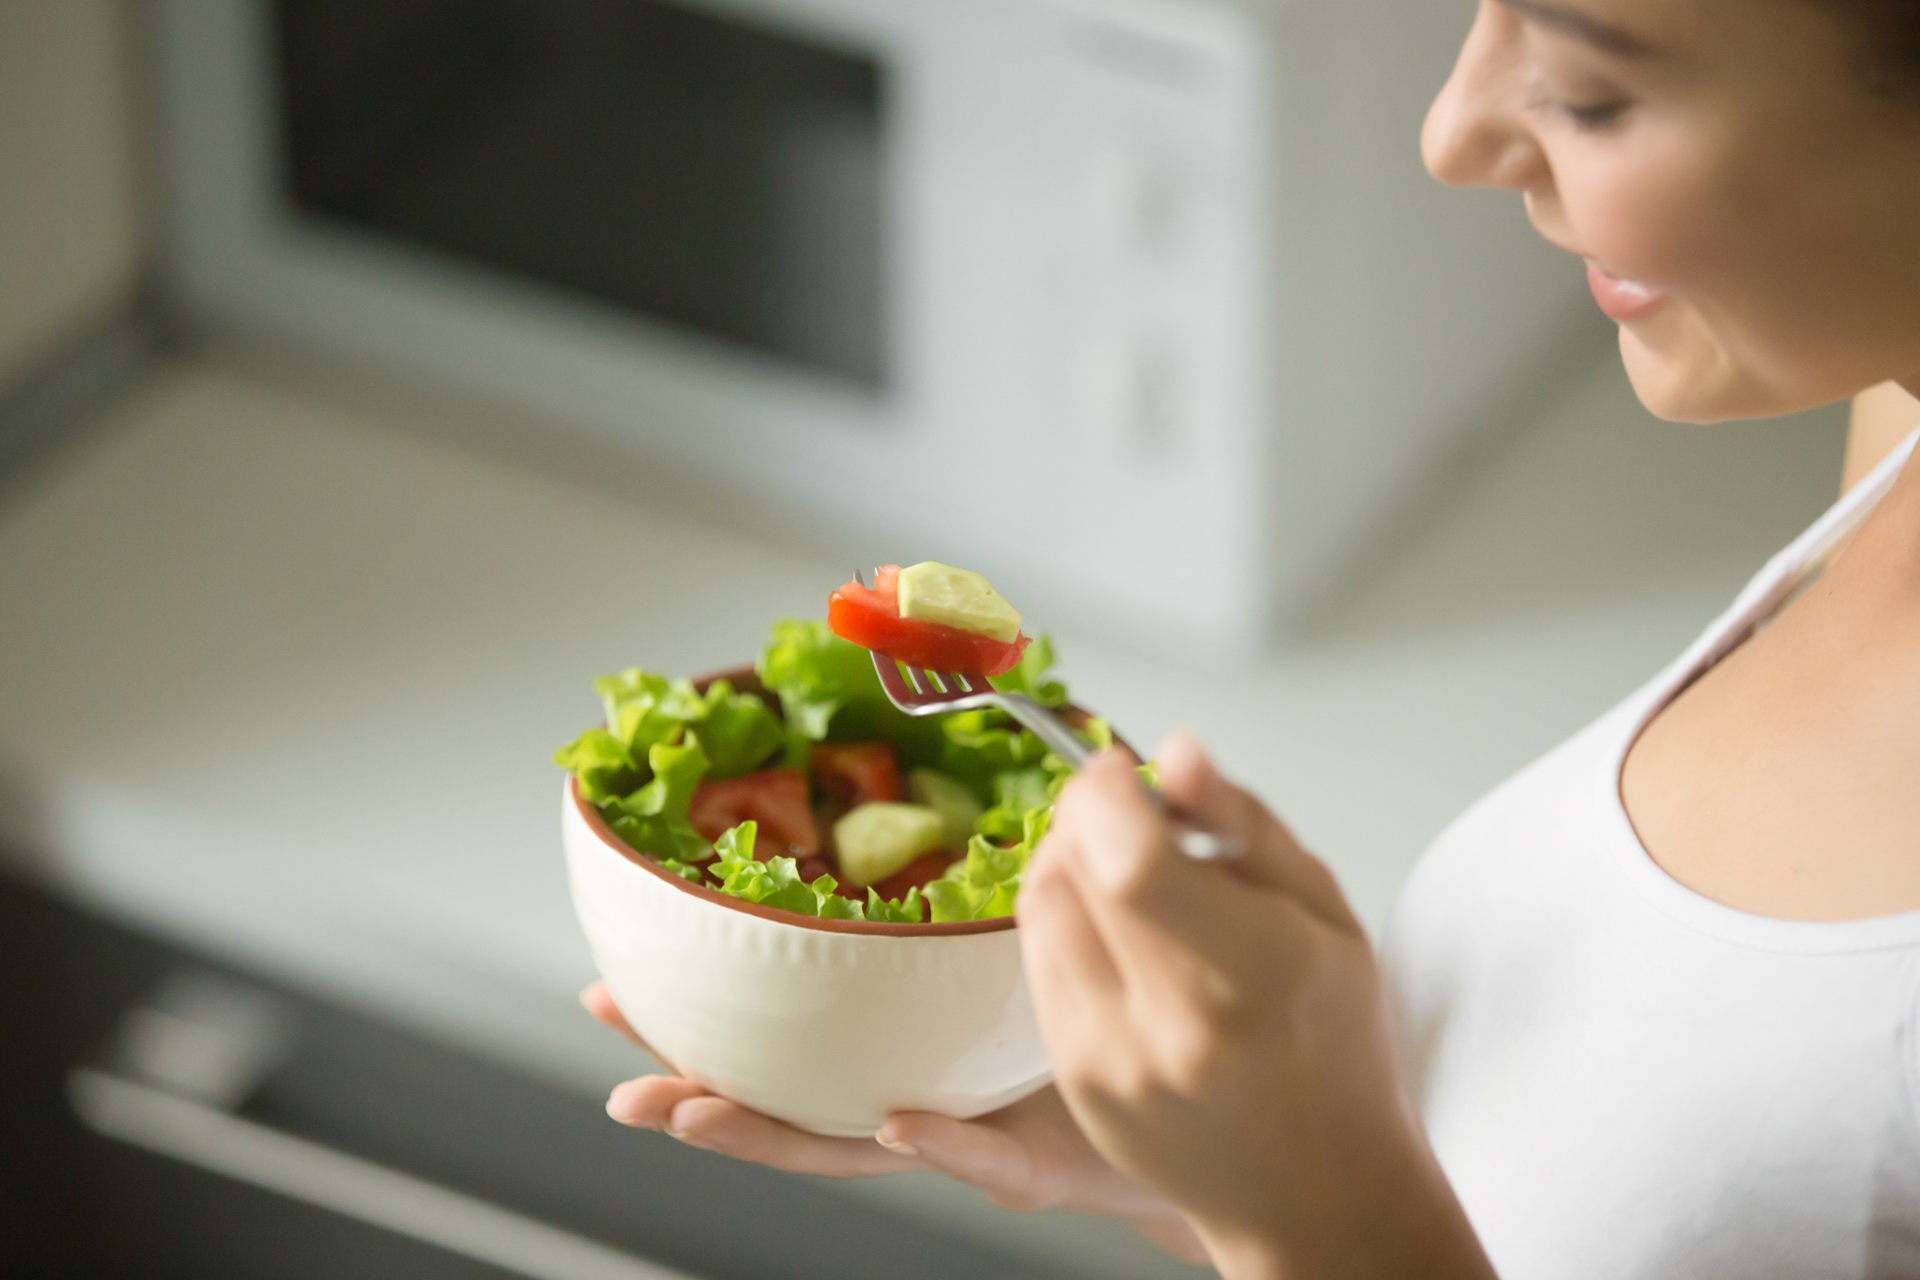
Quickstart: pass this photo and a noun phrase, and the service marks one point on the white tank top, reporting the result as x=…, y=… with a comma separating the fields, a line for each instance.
x=1626, y=1079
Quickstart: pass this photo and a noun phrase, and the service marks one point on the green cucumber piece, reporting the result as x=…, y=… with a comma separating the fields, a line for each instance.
x=960, y=598
x=876, y=840
x=953, y=799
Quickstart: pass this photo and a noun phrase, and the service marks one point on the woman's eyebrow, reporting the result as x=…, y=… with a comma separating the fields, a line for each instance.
x=1570, y=21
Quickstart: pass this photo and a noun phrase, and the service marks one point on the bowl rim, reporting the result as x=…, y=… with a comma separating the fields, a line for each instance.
x=746, y=680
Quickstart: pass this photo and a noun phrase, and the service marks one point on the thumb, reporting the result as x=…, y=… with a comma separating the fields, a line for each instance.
x=1199, y=792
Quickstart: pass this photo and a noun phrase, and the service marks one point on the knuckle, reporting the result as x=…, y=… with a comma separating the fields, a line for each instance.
x=1019, y=1200
x=1218, y=994
x=1122, y=1081
x=1194, y=1052
x=1193, y=1061
x=1043, y=873
x=1131, y=868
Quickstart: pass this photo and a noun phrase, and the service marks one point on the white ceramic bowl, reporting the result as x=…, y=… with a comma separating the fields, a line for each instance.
x=829, y=1025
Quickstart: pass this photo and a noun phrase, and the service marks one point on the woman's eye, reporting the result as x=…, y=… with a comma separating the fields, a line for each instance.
x=1596, y=112
x=1596, y=116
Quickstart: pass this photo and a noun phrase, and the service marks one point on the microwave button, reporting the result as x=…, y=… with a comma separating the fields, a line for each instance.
x=1140, y=201
x=1130, y=396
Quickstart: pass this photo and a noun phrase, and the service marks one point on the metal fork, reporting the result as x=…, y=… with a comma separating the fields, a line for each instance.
x=920, y=692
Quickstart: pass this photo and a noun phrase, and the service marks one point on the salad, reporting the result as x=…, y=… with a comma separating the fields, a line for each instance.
x=820, y=797
x=932, y=616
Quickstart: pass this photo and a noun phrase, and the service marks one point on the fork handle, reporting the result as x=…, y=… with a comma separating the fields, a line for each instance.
x=1194, y=843
x=1047, y=727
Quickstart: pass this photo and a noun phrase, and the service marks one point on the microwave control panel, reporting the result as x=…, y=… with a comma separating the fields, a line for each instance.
x=1166, y=178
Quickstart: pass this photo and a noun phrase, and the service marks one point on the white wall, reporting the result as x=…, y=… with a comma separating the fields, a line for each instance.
x=69, y=221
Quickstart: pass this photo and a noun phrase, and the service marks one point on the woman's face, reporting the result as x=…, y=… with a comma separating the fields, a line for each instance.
x=1749, y=210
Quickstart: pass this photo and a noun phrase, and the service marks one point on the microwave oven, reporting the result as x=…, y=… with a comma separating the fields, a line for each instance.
x=1143, y=307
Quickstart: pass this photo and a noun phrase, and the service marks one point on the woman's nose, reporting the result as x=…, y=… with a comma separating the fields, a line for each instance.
x=1476, y=133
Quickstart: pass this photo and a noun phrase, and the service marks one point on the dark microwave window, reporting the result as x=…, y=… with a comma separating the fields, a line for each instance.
x=668, y=160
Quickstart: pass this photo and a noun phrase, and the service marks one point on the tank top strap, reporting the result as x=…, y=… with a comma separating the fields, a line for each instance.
x=1790, y=570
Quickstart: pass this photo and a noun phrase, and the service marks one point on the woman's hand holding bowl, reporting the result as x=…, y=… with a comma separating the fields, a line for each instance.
x=1028, y=1156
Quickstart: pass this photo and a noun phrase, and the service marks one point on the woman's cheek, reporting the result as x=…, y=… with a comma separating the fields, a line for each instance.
x=1637, y=212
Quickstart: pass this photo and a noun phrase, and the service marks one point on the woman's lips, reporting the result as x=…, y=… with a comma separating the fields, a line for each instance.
x=1623, y=300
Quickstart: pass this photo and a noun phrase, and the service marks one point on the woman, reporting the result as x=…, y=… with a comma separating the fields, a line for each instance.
x=1657, y=996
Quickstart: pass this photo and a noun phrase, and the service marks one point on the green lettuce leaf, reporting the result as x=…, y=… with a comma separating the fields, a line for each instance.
x=736, y=731
x=980, y=745
x=985, y=883
x=685, y=870
x=828, y=692
x=1015, y=793
x=601, y=763
x=815, y=673
x=645, y=710
x=835, y=907
x=653, y=819
x=776, y=882
x=676, y=772
x=908, y=910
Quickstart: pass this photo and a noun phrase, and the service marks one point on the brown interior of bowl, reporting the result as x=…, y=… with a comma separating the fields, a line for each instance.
x=745, y=680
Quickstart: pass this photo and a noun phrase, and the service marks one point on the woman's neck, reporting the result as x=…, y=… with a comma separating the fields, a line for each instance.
x=1882, y=418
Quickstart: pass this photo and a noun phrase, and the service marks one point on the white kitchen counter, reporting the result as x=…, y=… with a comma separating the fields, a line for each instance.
x=282, y=673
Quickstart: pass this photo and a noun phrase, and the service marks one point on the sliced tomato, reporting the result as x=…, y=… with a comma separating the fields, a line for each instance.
x=918, y=874
x=870, y=617
x=774, y=798
x=855, y=773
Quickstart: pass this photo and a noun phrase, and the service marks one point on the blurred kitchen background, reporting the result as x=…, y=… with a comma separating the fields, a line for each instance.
x=374, y=375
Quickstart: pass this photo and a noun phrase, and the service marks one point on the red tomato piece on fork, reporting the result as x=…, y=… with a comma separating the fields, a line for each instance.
x=870, y=617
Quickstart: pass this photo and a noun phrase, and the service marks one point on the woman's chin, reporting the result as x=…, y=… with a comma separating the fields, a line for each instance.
x=1680, y=375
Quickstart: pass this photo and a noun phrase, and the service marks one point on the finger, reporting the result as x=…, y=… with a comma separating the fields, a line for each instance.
x=1113, y=847
x=1074, y=980
x=648, y=1102
x=1156, y=913
x=598, y=1001
x=1172, y=1233
x=715, y=1124
x=1194, y=786
x=976, y=1154
x=1055, y=929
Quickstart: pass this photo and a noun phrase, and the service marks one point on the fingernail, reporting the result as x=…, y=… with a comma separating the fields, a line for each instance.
x=895, y=1145
x=678, y=1132
x=620, y=1105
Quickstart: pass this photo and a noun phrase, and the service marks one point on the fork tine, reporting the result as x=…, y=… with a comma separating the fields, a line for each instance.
x=913, y=676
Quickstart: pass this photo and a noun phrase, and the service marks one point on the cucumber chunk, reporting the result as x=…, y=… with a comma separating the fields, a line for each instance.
x=876, y=840
x=952, y=799
x=960, y=598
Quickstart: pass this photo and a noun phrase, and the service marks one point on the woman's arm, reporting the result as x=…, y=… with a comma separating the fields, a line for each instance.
x=1882, y=417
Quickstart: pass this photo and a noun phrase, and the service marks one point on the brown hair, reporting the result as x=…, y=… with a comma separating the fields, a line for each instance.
x=1887, y=43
